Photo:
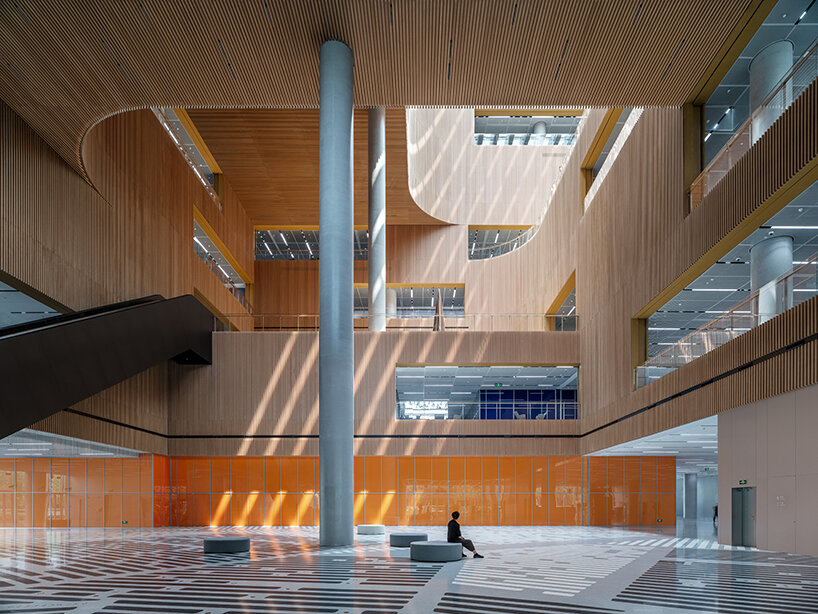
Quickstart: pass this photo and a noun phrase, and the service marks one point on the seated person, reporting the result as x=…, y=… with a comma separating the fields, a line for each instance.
x=454, y=536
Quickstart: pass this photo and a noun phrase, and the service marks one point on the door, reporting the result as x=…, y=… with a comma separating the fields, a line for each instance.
x=743, y=516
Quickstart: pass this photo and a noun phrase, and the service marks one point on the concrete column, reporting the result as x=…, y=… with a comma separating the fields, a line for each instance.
x=691, y=496
x=335, y=346
x=391, y=302
x=767, y=68
x=377, y=219
x=769, y=260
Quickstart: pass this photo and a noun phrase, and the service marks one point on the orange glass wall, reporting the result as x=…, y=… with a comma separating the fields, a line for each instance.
x=77, y=492
x=419, y=490
x=154, y=491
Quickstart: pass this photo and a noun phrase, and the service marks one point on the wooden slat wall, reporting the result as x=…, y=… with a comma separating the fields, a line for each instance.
x=141, y=401
x=271, y=159
x=422, y=254
x=527, y=279
x=267, y=384
x=291, y=287
x=67, y=65
x=80, y=249
x=454, y=180
x=641, y=205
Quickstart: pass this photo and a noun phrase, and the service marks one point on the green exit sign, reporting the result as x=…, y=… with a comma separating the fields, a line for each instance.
x=498, y=385
x=707, y=468
x=742, y=481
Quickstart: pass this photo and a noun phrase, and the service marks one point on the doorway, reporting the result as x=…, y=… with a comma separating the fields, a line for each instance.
x=744, y=516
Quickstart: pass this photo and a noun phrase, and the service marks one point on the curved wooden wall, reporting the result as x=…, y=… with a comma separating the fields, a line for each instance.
x=459, y=182
x=80, y=249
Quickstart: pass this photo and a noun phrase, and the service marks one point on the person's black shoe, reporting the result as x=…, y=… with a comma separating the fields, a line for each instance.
x=476, y=556
x=464, y=555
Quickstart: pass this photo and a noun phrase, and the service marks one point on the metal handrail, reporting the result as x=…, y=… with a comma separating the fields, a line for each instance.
x=410, y=321
x=702, y=185
x=228, y=283
x=741, y=318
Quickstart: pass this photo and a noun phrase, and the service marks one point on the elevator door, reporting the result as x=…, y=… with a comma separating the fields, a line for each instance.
x=744, y=516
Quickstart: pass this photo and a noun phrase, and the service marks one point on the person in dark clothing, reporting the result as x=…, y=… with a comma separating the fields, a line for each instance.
x=454, y=536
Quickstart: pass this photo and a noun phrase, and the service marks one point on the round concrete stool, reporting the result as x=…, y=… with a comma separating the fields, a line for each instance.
x=371, y=529
x=436, y=552
x=226, y=544
x=402, y=540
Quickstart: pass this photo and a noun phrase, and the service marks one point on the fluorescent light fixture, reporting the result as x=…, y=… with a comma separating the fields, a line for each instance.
x=497, y=236
x=454, y=293
x=309, y=249
x=223, y=271
x=268, y=248
x=804, y=290
x=413, y=376
x=467, y=376
x=411, y=293
x=707, y=136
x=716, y=127
x=794, y=227
x=462, y=393
x=472, y=248
x=662, y=328
x=283, y=238
x=200, y=243
x=714, y=289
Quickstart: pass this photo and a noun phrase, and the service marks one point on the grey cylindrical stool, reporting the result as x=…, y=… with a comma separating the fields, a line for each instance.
x=226, y=544
x=404, y=540
x=435, y=552
x=371, y=529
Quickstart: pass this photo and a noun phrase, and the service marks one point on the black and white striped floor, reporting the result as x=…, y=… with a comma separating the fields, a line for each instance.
x=527, y=570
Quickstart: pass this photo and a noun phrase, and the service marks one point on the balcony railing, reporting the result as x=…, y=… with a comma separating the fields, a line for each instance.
x=237, y=292
x=486, y=322
x=784, y=293
x=797, y=79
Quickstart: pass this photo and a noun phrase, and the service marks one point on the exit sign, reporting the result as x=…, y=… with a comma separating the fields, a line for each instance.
x=498, y=385
x=742, y=481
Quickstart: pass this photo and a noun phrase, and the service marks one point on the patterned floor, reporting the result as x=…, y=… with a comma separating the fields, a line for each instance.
x=527, y=570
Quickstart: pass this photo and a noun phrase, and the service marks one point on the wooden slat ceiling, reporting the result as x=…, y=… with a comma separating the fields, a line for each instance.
x=66, y=65
x=270, y=157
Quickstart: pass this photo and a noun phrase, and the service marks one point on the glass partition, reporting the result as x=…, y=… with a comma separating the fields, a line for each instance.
x=501, y=392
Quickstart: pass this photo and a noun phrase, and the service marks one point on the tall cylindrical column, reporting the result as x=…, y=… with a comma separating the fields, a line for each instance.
x=767, y=68
x=377, y=219
x=691, y=496
x=769, y=260
x=391, y=302
x=335, y=339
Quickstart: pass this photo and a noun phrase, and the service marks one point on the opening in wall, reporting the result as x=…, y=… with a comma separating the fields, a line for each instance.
x=209, y=252
x=286, y=243
x=486, y=392
x=489, y=241
x=520, y=127
x=182, y=131
x=768, y=272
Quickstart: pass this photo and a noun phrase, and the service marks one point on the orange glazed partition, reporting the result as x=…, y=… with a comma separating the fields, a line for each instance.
x=154, y=491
